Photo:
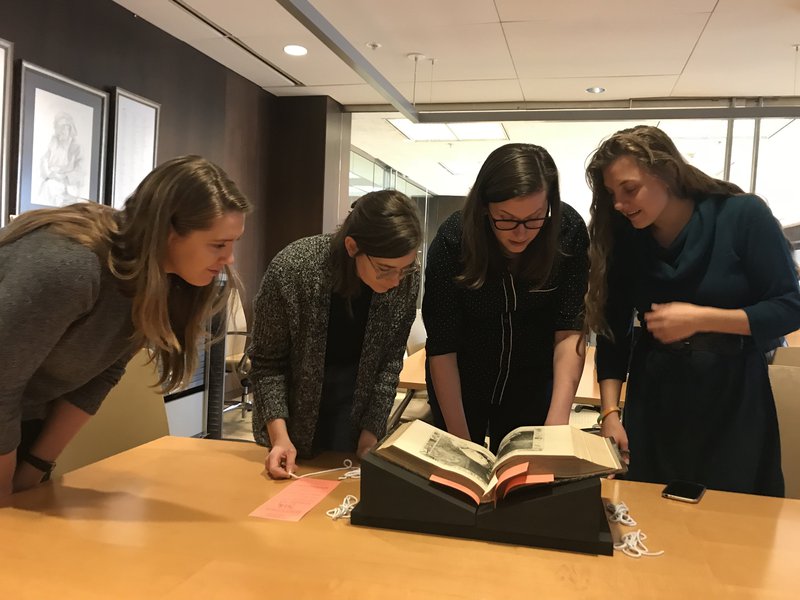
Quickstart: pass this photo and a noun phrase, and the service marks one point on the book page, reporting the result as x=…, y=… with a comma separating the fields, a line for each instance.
x=595, y=449
x=554, y=440
x=560, y=449
x=447, y=452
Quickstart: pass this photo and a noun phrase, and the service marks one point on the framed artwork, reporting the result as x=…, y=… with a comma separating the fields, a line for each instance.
x=134, y=144
x=62, y=140
x=6, y=58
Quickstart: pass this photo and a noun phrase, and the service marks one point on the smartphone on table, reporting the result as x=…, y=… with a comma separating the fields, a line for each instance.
x=684, y=491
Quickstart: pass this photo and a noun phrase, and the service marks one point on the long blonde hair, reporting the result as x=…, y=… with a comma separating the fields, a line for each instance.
x=169, y=316
x=656, y=153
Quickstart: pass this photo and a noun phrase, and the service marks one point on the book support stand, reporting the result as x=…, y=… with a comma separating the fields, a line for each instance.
x=562, y=516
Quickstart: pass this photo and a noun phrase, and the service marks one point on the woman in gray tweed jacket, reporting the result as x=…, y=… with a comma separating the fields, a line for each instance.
x=331, y=322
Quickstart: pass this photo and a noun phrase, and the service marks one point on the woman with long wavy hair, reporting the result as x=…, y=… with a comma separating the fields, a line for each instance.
x=708, y=271
x=503, y=303
x=84, y=287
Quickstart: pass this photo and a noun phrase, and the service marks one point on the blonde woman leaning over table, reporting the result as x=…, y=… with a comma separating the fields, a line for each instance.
x=83, y=287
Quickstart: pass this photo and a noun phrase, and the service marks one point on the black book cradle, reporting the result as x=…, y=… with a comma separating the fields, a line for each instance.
x=562, y=516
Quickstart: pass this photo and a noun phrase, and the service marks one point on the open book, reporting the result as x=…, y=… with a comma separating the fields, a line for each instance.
x=526, y=456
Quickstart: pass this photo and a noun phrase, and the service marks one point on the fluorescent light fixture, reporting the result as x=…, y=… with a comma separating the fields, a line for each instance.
x=461, y=168
x=450, y=132
x=479, y=131
x=295, y=50
x=424, y=132
x=596, y=89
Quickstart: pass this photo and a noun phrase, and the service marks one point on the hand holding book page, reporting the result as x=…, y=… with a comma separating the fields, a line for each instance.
x=527, y=455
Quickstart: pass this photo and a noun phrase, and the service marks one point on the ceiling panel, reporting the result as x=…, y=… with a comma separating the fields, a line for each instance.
x=617, y=88
x=525, y=10
x=488, y=90
x=464, y=37
x=171, y=18
x=588, y=48
x=266, y=27
x=746, y=49
x=241, y=62
x=380, y=16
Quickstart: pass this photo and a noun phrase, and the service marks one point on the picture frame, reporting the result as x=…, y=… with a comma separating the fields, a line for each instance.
x=6, y=77
x=134, y=144
x=62, y=140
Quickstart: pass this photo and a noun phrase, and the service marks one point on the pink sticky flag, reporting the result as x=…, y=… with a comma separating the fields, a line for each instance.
x=293, y=502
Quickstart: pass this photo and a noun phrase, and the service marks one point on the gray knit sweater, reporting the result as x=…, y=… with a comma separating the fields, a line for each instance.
x=65, y=330
x=289, y=339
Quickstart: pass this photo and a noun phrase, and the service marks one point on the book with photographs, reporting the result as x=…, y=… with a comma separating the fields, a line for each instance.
x=526, y=456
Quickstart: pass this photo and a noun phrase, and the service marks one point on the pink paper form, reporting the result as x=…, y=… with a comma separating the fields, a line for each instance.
x=299, y=497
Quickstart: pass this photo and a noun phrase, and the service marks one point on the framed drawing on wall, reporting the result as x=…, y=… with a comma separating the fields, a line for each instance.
x=62, y=140
x=134, y=144
x=6, y=71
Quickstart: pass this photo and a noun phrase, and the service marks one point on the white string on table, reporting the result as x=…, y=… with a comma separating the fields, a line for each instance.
x=619, y=513
x=344, y=509
x=352, y=473
x=633, y=545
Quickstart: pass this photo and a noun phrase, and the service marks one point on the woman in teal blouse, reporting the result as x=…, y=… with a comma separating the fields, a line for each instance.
x=711, y=277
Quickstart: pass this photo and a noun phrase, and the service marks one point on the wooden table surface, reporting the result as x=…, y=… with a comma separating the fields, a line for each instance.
x=170, y=520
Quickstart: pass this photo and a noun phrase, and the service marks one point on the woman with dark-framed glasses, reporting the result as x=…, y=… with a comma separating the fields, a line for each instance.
x=332, y=319
x=503, y=303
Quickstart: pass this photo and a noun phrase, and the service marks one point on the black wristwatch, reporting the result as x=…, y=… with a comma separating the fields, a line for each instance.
x=39, y=464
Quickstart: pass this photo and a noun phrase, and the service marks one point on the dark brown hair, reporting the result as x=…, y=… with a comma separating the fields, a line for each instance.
x=384, y=224
x=510, y=171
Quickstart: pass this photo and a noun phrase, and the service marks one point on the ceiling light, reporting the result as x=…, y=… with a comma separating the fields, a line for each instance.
x=596, y=89
x=424, y=132
x=295, y=50
x=461, y=168
x=450, y=132
x=479, y=131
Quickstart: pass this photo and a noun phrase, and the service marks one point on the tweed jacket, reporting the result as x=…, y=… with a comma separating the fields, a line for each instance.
x=289, y=338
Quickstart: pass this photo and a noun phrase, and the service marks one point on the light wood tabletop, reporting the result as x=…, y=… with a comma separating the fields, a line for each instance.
x=169, y=519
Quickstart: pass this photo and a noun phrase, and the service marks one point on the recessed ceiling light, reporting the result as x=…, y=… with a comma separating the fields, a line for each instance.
x=596, y=89
x=295, y=50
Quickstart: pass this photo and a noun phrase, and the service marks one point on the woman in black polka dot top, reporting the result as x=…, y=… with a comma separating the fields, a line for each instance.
x=503, y=303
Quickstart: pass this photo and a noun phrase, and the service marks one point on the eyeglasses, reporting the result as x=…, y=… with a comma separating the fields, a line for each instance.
x=512, y=224
x=383, y=272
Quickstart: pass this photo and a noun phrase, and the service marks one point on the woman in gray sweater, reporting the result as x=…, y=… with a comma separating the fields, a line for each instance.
x=83, y=287
x=331, y=322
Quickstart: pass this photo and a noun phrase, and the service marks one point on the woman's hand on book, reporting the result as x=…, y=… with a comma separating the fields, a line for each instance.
x=366, y=442
x=280, y=461
x=612, y=427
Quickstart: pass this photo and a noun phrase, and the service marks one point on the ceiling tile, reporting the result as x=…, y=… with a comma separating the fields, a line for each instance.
x=587, y=48
x=236, y=59
x=171, y=18
x=617, y=88
x=525, y=10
